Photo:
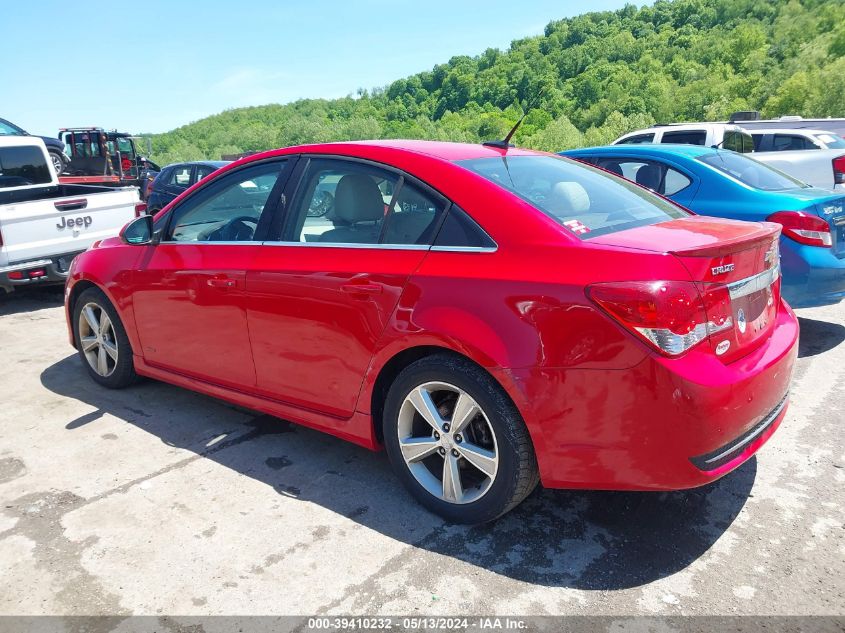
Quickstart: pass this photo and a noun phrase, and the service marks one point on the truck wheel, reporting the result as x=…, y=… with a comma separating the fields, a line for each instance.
x=456, y=441
x=101, y=340
x=58, y=160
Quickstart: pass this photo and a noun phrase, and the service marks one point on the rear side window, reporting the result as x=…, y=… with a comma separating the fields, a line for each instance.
x=789, y=142
x=639, y=139
x=584, y=199
x=649, y=174
x=686, y=137
x=21, y=166
x=181, y=176
x=460, y=230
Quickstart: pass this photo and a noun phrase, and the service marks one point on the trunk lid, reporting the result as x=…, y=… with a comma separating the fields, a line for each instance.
x=735, y=265
x=832, y=210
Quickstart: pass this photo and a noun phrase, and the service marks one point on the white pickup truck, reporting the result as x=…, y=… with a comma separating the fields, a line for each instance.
x=822, y=168
x=44, y=224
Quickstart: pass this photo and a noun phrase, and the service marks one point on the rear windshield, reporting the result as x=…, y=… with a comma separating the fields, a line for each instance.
x=750, y=172
x=24, y=165
x=586, y=200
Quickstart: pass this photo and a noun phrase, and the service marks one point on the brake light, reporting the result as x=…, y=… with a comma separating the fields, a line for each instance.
x=671, y=316
x=803, y=227
x=15, y=274
x=140, y=209
x=839, y=170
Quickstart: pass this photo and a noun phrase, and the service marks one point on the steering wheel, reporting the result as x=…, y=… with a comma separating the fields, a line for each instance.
x=236, y=230
x=321, y=204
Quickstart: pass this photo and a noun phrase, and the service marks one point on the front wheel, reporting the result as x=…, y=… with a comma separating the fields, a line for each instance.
x=456, y=441
x=58, y=162
x=101, y=340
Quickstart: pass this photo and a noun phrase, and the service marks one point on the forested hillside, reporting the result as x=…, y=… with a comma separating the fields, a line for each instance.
x=600, y=75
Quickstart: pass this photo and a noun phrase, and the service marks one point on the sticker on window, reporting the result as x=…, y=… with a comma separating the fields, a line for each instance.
x=576, y=226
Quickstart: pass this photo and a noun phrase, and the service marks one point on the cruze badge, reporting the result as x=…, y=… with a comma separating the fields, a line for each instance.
x=721, y=270
x=741, y=323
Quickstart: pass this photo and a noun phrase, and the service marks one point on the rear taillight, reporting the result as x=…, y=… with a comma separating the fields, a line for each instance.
x=140, y=209
x=803, y=227
x=672, y=316
x=839, y=170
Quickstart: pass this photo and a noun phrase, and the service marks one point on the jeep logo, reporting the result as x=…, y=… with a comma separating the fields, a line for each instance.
x=75, y=223
x=721, y=270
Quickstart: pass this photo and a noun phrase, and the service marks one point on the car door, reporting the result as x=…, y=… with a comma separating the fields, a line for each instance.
x=320, y=295
x=180, y=178
x=189, y=300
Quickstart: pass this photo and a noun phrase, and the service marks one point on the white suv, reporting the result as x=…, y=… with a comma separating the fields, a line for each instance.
x=723, y=135
x=780, y=140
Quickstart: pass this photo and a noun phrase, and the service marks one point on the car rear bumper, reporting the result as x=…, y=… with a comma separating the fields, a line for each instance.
x=666, y=424
x=41, y=271
x=812, y=275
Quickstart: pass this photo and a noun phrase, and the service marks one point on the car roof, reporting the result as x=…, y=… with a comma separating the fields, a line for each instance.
x=781, y=130
x=670, y=149
x=211, y=163
x=444, y=150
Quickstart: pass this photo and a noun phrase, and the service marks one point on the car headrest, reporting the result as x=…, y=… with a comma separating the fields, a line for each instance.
x=616, y=168
x=569, y=197
x=649, y=176
x=358, y=199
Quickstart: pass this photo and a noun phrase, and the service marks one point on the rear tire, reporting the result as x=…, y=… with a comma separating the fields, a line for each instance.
x=101, y=340
x=456, y=441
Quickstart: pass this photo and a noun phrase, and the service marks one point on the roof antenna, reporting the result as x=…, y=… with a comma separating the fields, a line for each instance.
x=505, y=143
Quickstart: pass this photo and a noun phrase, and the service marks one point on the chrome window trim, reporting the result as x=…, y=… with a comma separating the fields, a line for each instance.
x=465, y=249
x=755, y=283
x=210, y=243
x=383, y=247
x=22, y=265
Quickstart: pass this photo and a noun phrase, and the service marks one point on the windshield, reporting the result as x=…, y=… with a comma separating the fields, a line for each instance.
x=750, y=172
x=7, y=129
x=586, y=200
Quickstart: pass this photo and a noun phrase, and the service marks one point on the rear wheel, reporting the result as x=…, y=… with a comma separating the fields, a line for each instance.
x=101, y=340
x=456, y=441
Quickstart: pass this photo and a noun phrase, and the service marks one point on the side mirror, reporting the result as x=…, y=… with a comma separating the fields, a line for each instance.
x=139, y=231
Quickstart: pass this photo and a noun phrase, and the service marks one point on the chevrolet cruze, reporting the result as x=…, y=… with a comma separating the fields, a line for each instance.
x=493, y=317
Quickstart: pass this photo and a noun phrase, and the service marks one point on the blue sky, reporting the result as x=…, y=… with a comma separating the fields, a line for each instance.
x=163, y=64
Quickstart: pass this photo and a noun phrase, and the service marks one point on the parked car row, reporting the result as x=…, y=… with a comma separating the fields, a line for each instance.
x=493, y=317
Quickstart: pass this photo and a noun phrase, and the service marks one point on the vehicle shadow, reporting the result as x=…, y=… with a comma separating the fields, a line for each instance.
x=576, y=539
x=29, y=299
x=818, y=337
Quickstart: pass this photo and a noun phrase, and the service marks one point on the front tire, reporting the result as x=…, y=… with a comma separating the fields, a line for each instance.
x=58, y=161
x=101, y=340
x=456, y=441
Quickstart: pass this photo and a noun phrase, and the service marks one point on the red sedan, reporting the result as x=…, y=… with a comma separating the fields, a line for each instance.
x=493, y=317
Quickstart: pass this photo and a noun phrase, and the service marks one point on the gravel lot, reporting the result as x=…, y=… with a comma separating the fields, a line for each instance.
x=155, y=500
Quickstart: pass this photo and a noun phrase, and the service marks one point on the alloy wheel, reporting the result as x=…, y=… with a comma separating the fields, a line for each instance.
x=447, y=442
x=97, y=339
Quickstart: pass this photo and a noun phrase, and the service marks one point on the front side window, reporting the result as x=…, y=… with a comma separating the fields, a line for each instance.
x=584, y=199
x=227, y=210
x=687, y=137
x=346, y=202
x=639, y=139
x=750, y=172
x=21, y=166
x=652, y=175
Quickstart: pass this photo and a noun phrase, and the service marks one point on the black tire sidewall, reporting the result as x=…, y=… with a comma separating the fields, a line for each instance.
x=502, y=415
x=55, y=153
x=124, y=372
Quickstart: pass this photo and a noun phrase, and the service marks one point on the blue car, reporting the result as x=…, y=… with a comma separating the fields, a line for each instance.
x=175, y=178
x=725, y=184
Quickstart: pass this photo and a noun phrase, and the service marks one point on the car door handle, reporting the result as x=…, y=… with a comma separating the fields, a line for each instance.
x=362, y=289
x=221, y=282
x=71, y=205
